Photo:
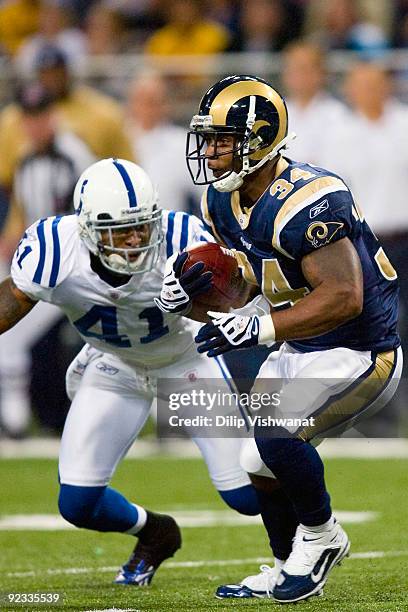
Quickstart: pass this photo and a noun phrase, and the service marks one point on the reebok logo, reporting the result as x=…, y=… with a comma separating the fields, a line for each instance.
x=319, y=208
x=104, y=367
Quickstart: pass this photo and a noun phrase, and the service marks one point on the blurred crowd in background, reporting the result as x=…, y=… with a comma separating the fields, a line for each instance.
x=86, y=79
x=181, y=27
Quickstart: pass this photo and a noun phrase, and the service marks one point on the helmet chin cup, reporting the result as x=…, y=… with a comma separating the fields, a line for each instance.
x=232, y=182
x=114, y=261
x=119, y=264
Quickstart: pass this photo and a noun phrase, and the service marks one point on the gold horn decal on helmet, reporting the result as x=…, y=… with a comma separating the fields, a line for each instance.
x=230, y=95
x=258, y=124
x=259, y=154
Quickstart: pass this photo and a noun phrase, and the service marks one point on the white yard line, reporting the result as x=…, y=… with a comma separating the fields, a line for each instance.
x=365, y=448
x=185, y=518
x=375, y=554
x=115, y=610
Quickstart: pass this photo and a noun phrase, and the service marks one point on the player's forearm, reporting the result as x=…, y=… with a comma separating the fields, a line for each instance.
x=14, y=305
x=324, y=309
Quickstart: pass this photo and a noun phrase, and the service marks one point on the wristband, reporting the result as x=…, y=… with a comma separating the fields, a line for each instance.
x=266, y=330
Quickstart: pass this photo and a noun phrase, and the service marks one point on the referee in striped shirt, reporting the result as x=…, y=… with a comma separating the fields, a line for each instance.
x=48, y=170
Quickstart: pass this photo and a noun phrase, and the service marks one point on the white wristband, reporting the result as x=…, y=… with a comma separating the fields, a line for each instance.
x=266, y=330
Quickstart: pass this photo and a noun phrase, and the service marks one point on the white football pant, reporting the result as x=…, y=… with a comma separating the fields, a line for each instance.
x=345, y=387
x=110, y=404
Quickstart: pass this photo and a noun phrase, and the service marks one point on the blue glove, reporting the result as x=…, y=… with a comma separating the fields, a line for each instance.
x=179, y=289
x=227, y=332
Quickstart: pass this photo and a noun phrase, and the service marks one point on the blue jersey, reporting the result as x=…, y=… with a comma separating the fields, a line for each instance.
x=304, y=209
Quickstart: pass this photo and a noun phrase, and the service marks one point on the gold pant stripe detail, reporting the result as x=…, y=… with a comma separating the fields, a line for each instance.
x=359, y=397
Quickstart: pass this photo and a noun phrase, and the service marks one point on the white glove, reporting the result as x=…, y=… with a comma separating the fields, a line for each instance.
x=178, y=288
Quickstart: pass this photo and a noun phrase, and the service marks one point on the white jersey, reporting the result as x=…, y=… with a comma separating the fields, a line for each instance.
x=52, y=264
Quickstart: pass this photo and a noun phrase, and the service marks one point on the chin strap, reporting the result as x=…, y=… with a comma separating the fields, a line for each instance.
x=234, y=181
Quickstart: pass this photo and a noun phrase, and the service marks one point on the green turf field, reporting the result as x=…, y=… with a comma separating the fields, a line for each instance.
x=82, y=563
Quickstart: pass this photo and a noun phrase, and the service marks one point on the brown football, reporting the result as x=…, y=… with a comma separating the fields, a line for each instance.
x=229, y=288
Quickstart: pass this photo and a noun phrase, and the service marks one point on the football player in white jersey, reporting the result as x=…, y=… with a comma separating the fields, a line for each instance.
x=102, y=266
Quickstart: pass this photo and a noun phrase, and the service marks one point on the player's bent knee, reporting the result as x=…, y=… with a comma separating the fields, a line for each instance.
x=275, y=450
x=250, y=460
x=243, y=499
x=267, y=485
x=78, y=505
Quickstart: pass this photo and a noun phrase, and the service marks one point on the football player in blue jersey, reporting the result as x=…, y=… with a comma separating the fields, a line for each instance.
x=332, y=301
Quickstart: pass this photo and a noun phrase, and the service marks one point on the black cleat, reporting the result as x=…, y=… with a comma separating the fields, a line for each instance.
x=158, y=540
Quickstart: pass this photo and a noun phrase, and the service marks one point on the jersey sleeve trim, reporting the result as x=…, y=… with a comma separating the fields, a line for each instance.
x=199, y=232
x=41, y=260
x=184, y=232
x=305, y=196
x=184, y=229
x=57, y=252
x=169, y=234
x=45, y=244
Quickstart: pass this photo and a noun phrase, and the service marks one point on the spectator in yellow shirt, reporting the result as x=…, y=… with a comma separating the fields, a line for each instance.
x=96, y=118
x=188, y=32
x=18, y=20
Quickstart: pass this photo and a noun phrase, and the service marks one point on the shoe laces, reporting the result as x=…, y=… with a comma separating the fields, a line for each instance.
x=269, y=574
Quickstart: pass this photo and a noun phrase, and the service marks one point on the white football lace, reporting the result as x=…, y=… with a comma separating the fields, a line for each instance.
x=270, y=577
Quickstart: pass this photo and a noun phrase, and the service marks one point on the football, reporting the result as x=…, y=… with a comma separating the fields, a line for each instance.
x=230, y=289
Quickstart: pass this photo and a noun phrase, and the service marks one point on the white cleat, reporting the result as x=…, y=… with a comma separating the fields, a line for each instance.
x=313, y=556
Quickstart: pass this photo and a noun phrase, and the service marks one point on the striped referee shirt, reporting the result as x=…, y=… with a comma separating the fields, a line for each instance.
x=44, y=182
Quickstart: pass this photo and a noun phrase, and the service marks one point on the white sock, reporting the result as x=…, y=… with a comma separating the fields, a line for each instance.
x=279, y=565
x=327, y=526
x=141, y=520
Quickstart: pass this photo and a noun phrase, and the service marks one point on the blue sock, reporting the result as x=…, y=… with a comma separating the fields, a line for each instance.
x=299, y=469
x=99, y=508
x=244, y=500
x=280, y=520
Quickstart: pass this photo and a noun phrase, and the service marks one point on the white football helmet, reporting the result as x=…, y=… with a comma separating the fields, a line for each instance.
x=115, y=195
